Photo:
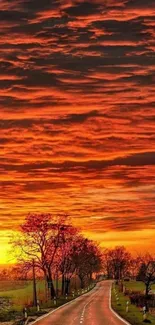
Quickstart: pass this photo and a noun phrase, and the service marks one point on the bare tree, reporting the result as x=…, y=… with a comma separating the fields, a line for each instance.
x=40, y=239
x=67, y=250
x=87, y=259
x=116, y=262
x=134, y=266
x=147, y=274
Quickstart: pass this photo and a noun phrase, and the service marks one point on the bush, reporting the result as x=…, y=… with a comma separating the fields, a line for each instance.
x=127, y=292
x=19, y=322
x=6, y=316
x=34, y=312
x=146, y=321
x=137, y=298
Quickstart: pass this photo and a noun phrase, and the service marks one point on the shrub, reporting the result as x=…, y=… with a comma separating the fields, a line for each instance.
x=6, y=316
x=19, y=322
x=127, y=292
x=146, y=321
x=137, y=298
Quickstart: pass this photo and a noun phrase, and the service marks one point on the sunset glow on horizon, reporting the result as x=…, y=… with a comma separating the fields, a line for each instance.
x=77, y=131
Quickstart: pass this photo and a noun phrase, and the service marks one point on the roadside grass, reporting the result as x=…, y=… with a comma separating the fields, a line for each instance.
x=6, y=285
x=23, y=296
x=20, y=293
x=135, y=315
x=136, y=285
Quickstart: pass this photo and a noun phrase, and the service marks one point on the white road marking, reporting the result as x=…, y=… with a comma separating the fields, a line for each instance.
x=67, y=303
x=84, y=309
x=83, y=312
x=110, y=307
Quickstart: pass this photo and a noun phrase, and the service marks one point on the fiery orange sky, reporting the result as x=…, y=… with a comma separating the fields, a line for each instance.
x=77, y=131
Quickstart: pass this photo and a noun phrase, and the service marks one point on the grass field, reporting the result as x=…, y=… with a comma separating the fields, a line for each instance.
x=21, y=292
x=136, y=285
x=135, y=315
x=12, y=285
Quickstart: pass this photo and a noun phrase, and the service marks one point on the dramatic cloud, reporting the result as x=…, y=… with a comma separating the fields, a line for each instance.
x=77, y=98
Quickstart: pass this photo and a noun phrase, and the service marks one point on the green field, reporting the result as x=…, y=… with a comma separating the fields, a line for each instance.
x=21, y=292
x=136, y=285
x=12, y=285
x=135, y=315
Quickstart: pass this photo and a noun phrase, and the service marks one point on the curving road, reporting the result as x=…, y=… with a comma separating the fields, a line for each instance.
x=90, y=309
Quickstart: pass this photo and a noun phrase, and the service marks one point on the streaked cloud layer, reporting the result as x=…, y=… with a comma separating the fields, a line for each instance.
x=77, y=98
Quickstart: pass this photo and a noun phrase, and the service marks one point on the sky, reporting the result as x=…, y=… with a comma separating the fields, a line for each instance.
x=77, y=131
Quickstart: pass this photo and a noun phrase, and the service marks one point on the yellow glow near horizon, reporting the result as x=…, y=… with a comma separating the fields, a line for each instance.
x=5, y=255
x=109, y=239
x=135, y=241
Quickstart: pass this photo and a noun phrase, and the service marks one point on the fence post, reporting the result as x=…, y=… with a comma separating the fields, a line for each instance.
x=127, y=306
x=25, y=313
x=38, y=306
x=117, y=298
x=144, y=313
x=55, y=301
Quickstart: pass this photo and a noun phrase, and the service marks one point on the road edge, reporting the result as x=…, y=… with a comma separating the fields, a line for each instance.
x=53, y=311
x=113, y=311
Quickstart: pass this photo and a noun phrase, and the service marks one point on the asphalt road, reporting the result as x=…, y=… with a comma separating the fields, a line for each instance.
x=89, y=309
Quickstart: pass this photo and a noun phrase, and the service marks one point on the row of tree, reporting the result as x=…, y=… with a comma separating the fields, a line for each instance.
x=119, y=264
x=54, y=249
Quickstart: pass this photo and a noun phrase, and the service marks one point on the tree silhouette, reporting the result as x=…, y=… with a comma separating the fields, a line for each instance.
x=53, y=246
x=116, y=262
x=41, y=236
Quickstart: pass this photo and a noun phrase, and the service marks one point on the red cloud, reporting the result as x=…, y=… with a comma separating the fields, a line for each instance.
x=77, y=101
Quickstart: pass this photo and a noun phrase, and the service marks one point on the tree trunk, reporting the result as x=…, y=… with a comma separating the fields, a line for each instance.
x=67, y=284
x=63, y=284
x=82, y=282
x=34, y=287
x=117, y=273
x=146, y=296
x=75, y=285
x=57, y=289
x=90, y=277
x=50, y=285
x=147, y=290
